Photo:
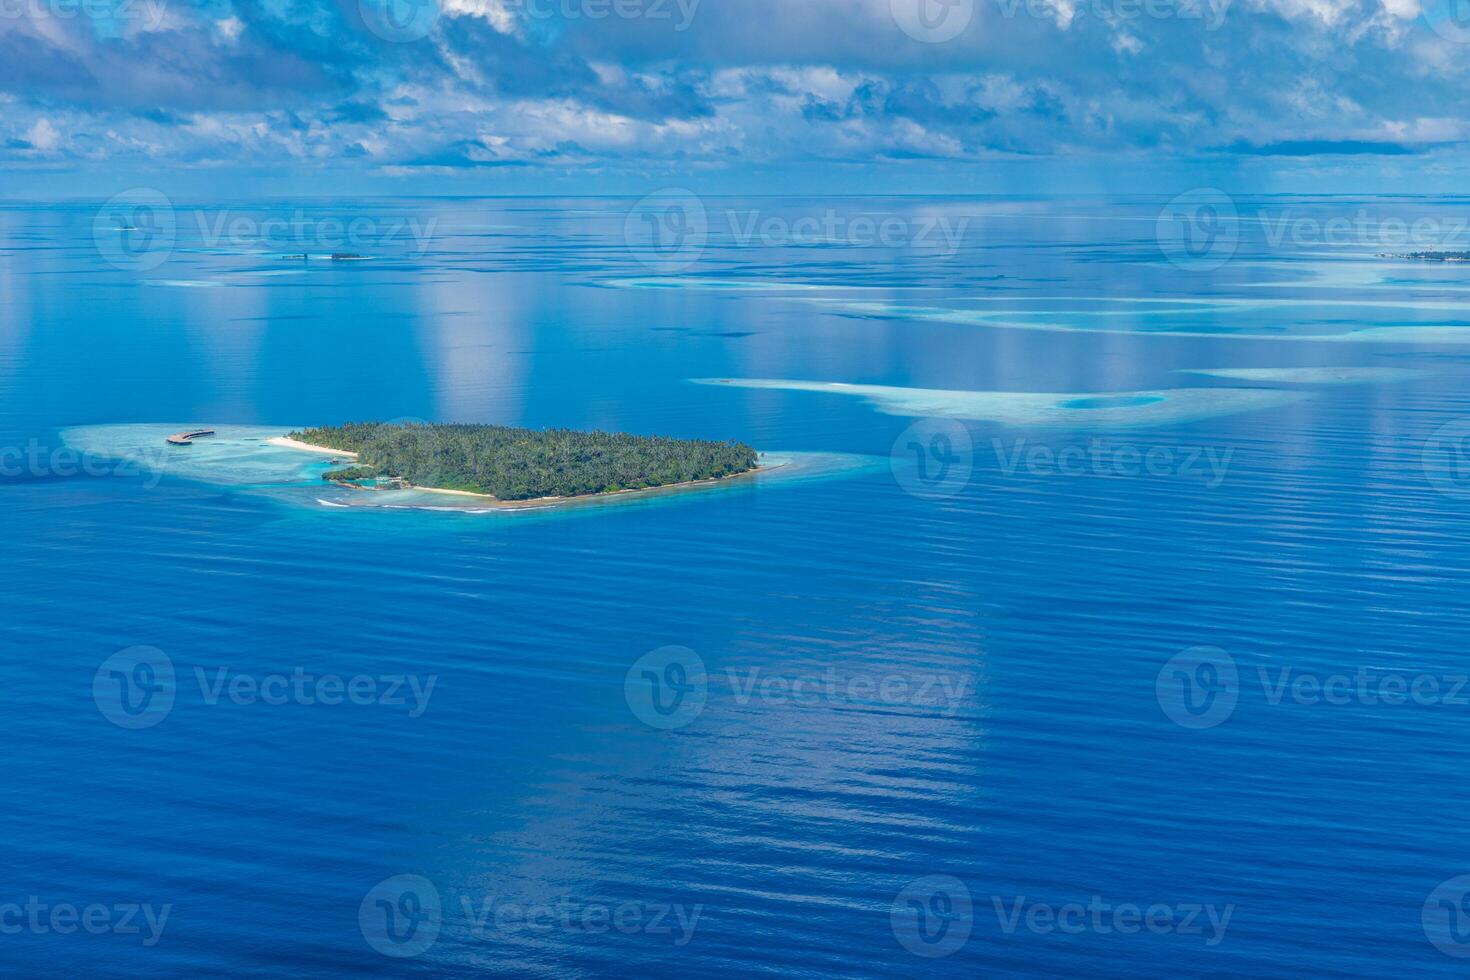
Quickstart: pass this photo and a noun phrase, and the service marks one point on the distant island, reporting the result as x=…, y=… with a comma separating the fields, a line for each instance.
x=1427, y=256
x=520, y=464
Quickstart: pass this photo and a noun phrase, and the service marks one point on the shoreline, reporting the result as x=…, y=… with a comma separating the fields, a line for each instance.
x=288, y=443
x=494, y=501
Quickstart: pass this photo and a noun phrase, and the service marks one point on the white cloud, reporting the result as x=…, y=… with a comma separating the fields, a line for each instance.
x=497, y=13
x=1127, y=44
x=43, y=135
x=229, y=29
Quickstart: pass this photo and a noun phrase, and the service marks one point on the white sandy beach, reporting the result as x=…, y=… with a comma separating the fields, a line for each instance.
x=456, y=493
x=287, y=443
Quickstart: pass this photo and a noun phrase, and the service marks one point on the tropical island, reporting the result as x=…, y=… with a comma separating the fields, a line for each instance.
x=519, y=464
x=1427, y=256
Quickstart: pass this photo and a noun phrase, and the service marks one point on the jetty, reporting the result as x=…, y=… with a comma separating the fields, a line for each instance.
x=187, y=438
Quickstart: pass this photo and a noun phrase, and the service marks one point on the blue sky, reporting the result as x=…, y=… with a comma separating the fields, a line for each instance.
x=737, y=96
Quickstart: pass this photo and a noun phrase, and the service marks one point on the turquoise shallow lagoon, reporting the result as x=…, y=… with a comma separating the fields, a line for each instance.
x=244, y=459
x=949, y=652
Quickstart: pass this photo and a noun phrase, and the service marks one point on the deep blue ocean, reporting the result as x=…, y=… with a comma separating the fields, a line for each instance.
x=1137, y=684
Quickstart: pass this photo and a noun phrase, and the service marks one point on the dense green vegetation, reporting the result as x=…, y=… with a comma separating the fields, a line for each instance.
x=351, y=474
x=521, y=464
